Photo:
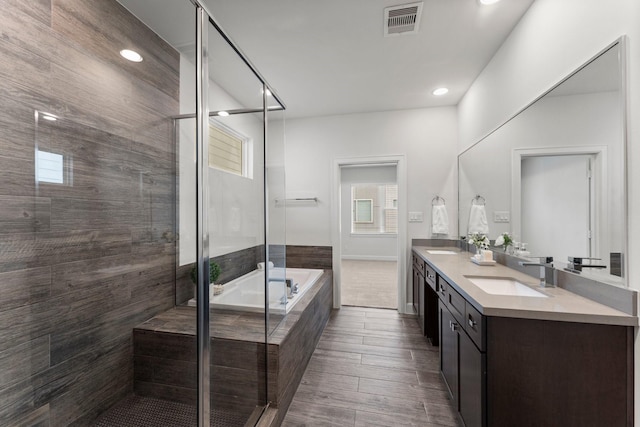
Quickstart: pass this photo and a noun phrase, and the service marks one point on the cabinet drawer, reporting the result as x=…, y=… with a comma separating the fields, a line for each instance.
x=441, y=289
x=430, y=276
x=418, y=263
x=474, y=324
x=456, y=304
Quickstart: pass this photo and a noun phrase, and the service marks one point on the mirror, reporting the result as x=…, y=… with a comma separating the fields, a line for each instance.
x=553, y=176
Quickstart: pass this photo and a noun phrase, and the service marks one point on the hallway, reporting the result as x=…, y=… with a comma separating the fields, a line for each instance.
x=372, y=367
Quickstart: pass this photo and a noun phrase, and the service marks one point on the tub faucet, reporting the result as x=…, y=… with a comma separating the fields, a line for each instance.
x=294, y=288
x=547, y=279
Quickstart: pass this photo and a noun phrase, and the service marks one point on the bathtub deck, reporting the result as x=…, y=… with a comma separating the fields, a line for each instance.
x=165, y=353
x=233, y=325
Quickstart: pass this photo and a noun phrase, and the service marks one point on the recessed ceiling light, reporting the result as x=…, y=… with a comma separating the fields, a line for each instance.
x=131, y=55
x=223, y=113
x=440, y=91
x=488, y=2
x=49, y=117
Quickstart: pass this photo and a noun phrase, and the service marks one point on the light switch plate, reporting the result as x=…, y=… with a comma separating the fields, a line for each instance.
x=416, y=216
x=501, y=216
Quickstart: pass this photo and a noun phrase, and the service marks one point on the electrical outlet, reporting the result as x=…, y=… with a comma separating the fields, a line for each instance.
x=501, y=216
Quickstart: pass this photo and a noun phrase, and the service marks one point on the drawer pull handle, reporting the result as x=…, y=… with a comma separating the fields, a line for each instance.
x=454, y=326
x=472, y=322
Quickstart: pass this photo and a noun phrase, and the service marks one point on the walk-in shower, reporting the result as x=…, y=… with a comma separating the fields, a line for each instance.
x=229, y=139
x=118, y=178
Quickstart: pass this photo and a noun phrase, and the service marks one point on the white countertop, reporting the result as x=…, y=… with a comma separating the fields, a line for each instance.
x=561, y=305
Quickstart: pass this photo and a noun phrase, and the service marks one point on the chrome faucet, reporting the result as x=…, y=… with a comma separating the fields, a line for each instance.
x=547, y=279
x=294, y=288
x=576, y=265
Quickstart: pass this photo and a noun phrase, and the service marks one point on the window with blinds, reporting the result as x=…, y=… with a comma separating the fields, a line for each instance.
x=226, y=150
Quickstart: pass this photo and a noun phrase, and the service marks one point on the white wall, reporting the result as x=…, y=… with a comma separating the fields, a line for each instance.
x=551, y=40
x=427, y=138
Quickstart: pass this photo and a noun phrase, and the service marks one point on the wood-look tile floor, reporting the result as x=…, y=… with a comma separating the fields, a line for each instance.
x=372, y=367
x=369, y=283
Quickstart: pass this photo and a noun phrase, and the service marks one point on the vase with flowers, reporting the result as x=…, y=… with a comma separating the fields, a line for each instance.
x=480, y=241
x=505, y=241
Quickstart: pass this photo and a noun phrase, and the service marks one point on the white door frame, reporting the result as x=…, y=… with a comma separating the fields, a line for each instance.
x=600, y=187
x=336, y=224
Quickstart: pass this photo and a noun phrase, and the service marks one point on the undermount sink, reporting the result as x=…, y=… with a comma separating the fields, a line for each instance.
x=440, y=252
x=504, y=286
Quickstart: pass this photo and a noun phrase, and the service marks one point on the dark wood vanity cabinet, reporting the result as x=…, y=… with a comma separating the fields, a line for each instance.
x=462, y=361
x=503, y=371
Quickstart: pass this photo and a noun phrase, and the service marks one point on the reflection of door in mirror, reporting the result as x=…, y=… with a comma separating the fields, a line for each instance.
x=557, y=209
x=582, y=116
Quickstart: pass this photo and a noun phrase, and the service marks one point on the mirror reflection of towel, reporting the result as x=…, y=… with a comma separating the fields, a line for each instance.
x=439, y=220
x=478, y=220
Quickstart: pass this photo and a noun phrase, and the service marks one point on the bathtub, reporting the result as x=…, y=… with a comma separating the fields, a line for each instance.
x=246, y=293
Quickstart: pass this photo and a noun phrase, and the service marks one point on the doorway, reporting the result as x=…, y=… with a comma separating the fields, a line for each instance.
x=558, y=200
x=369, y=233
x=561, y=214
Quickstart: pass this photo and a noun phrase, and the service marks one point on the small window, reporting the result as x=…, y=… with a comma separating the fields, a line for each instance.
x=227, y=150
x=50, y=167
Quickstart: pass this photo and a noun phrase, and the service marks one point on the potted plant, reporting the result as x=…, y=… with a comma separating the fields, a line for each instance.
x=214, y=273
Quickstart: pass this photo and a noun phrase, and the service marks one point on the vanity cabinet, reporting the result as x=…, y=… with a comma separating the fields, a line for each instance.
x=462, y=362
x=507, y=371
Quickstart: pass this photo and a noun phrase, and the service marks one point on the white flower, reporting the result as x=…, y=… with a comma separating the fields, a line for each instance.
x=499, y=241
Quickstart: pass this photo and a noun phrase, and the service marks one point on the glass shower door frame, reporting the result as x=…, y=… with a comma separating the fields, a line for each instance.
x=203, y=338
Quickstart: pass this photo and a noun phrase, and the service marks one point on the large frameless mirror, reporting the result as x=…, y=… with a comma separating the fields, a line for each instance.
x=554, y=175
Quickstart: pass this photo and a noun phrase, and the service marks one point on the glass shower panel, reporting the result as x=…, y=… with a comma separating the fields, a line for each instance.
x=185, y=135
x=280, y=292
x=237, y=232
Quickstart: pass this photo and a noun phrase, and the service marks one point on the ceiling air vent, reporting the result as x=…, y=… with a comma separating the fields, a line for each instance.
x=402, y=19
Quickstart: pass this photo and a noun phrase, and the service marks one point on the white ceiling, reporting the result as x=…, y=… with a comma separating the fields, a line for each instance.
x=331, y=57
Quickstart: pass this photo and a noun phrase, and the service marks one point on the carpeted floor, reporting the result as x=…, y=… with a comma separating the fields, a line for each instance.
x=136, y=411
x=369, y=283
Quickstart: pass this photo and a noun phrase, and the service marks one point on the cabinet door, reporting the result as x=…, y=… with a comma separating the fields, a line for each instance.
x=416, y=281
x=431, y=314
x=449, y=352
x=421, y=307
x=471, y=377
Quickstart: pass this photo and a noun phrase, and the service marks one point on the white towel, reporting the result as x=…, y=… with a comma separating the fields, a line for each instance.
x=261, y=265
x=478, y=220
x=439, y=220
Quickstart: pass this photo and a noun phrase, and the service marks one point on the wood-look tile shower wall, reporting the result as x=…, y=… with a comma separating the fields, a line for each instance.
x=82, y=262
